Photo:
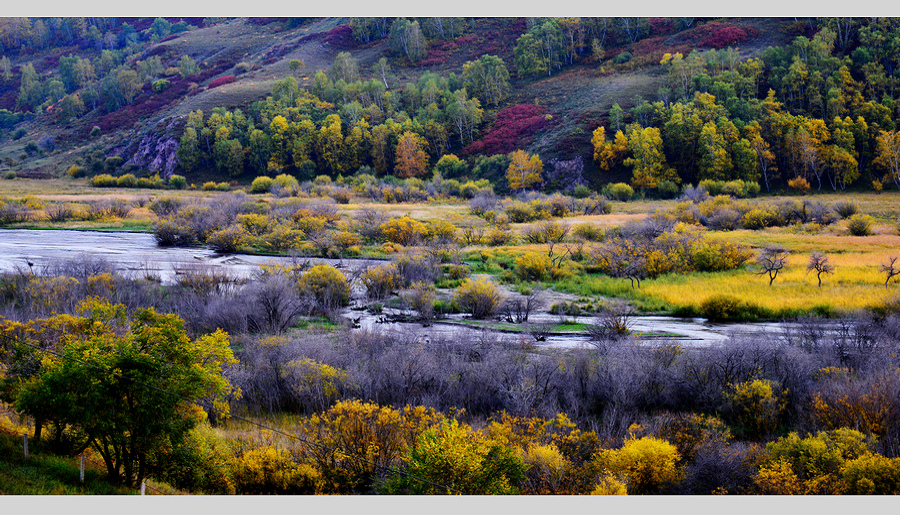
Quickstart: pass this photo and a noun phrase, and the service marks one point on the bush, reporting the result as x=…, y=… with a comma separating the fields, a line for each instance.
x=622, y=57
x=454, y=456
x=621, y=191
x=178, y=182
x=420, y=297
x=403, y=230
x=261, y=184
x=720, y=307
x=533, y=267
x=284, y=181
x=588, y=231
x=76, y=171
x=10, y=175
x=845, y=208
x=480, y=298
x=161, y=85
x=221, y=81
x=581, y=191
x=127, y=181
x=755, y=407
x=209, y=186
x=648, y=464
x=860, y=225
x=327, y=285
x=667, y=189
x=520, y=212
x=269, y=470
x=380, y=281
x=799, y=184
x=104, y=180
x=230, y=239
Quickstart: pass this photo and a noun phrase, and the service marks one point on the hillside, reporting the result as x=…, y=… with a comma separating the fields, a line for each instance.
x=239, y=61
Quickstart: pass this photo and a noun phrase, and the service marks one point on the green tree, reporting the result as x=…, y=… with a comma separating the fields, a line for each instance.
x=488, y=78
x=188, y=66
x=128, y=387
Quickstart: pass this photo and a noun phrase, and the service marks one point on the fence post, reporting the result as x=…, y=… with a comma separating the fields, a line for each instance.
x=142, y=488
x=25, y=440
x=82, y=468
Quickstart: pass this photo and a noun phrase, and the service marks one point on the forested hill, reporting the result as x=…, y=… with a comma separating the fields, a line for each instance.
x=656, y=102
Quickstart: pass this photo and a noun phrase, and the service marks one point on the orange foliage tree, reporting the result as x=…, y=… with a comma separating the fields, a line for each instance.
x=412, y=161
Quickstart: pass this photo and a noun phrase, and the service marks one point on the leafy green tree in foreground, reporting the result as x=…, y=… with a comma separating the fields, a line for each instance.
x=129, y=388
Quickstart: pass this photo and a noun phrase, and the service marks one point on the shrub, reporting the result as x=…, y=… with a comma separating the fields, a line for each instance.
x=648, y=464
x=621, y=191
x=533, y=267
x=403, y=230
x=202, y=463
x=588, y=231
x=177, y=181
x=284, y=181
x=755, y=407
x=268, y=470
x=261, y=184
x=860, y=225
x=759, y=218
x=720, y=307
x=209, y=186
x=480, y=298
x=870, y=474
x=76, y=171
x=454, y=456
x=221, y=81
x=380, y=281
x=845, y=208
x=800, y=184
x=127, y=181
x=161, y=85
x=327, y=285
x=581, y=191
x=667, y=189
x=341, y=195
x=223, y=186
x=230, y=239
x=104, y=180
x=520, y=212
x=10, y=175
x=420, y=297
x=622, y=57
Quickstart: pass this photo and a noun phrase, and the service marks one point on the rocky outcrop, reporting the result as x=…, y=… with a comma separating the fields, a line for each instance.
x=155, y=149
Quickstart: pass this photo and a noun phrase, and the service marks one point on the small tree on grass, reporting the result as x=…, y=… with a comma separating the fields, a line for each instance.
x=890, y=270
x=819, y=262
x=772, y=260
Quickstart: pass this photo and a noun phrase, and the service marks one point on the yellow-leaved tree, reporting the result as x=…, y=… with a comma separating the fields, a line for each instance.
x=524, y=170
x=412, y=161
x=649, y=162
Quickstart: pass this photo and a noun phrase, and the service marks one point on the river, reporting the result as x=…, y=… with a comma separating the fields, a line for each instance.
x=137, y=255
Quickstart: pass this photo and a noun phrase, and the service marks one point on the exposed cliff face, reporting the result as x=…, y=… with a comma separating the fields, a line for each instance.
x=155, y=149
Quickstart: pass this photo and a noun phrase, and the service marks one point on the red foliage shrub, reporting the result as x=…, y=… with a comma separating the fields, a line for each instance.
x=224, y=79
x=341, y=37
x=660, y=26
x=435, y=56
x=514, y=128
x=725, y=36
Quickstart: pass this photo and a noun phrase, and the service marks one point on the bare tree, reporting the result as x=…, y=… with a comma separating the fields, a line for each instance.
x=819, y=262
x=890, y=270
x=772, y=260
